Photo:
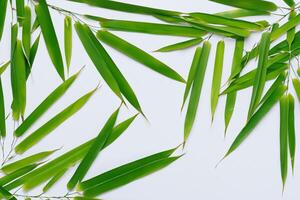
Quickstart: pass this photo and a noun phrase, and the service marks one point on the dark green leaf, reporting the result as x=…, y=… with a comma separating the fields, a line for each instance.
x=291, y=129
x=3, y=7
x=2, y=112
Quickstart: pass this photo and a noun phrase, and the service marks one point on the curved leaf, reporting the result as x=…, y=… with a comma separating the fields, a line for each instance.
x=180, y=45
x=259, y=5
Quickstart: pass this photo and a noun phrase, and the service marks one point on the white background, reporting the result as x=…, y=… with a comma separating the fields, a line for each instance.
x=252, y=172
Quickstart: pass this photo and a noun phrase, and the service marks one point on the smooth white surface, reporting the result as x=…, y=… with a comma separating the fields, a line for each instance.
x=252, y=172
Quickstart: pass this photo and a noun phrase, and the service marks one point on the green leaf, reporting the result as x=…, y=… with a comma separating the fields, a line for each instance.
x=93, y=152
x=6, y=194
x=20, y=11
x=151, y=28
x=236, y=64
x=18, y=82
x=285, y=27
x=296, y=84
x=50, y=37
x=52, y=124
x=16, y=174
x=258, y=5
x=217, y=77
x=126, y=7
x=196, y=89
x=33, y=51
x=54, y=180
x=68, y=40
x=45, y=105
x=138, y=55
x=181, y=45
x=191, y=76
x=26, y=161
x=284, y=121
x=290, y=36
x=291, y=129
x=4, y=67
x=126, y=173
x=67, y=160
x=26, y=31
x=2, y=112
x=290, y=3
x=92, y=46
x=261, y=73
x=238, y=13
x=3, y=7
x=35, y=25
x=256, y=118
x=219, y=20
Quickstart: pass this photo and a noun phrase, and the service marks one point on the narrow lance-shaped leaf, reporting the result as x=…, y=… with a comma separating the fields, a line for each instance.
x=181, y=45
x=261, y=73
x=4, y=67
x=290, y=36
x=238, y=13
x=92, y=47
x=54, y=180
x=215, y=19
x=291, y=129
x=35, y=25
x=296, y=84
x=2, y=112
x=93, y=152
x=285, y=27
x=217, y=77
x=151, y=28
x=6, y=194
x=26, y=31
x=26, y=161
x=259, y=5
x=20, y=10
x=68, y=40
x=138, y=55
x=236, y=64
x=196, y=90
x=256, y=118
x=18, y=82
x=33, y=51
x=52, y=124
x=290, y=3
x=126, y=173
x=284, y=114
x=45, y=105
x=67, y=160
x=3, y=7
x=50, y=37
x=191, y=75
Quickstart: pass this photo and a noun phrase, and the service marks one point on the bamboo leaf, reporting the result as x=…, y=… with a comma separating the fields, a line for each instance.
x=6, y=194
x=261, y=73
x=26, y=31
x=291, y=33
x=296, y=84
x=26, y=161
x=18, y=82
x=290, y=3
x=284, y=114
x=50, y=37
x=3, y=7
x=238, y=13
x=16, y=174
x=68, y=40
x=138, y=55
x=181, y=45
x=215, y=19
x=33, y=51
x=2, y=112
x=126, y=173
x=191, y=75
x=285, y=27
x=92, y=46
x=291, y=129
x=93, y=152
x=54, y=180
x=256, y=118
x=258, y=5
x=196, y=89
x=66, y=160
x=45, y=105
x=35, y=25
x=52, y=124
x=4, y=67
x=217, y=77
x=20, y=10
x=236, y=64
x=151, y=28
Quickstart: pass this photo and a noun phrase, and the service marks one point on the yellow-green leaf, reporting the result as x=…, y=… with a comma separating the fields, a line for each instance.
x=68, y=40
x=181, y=45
